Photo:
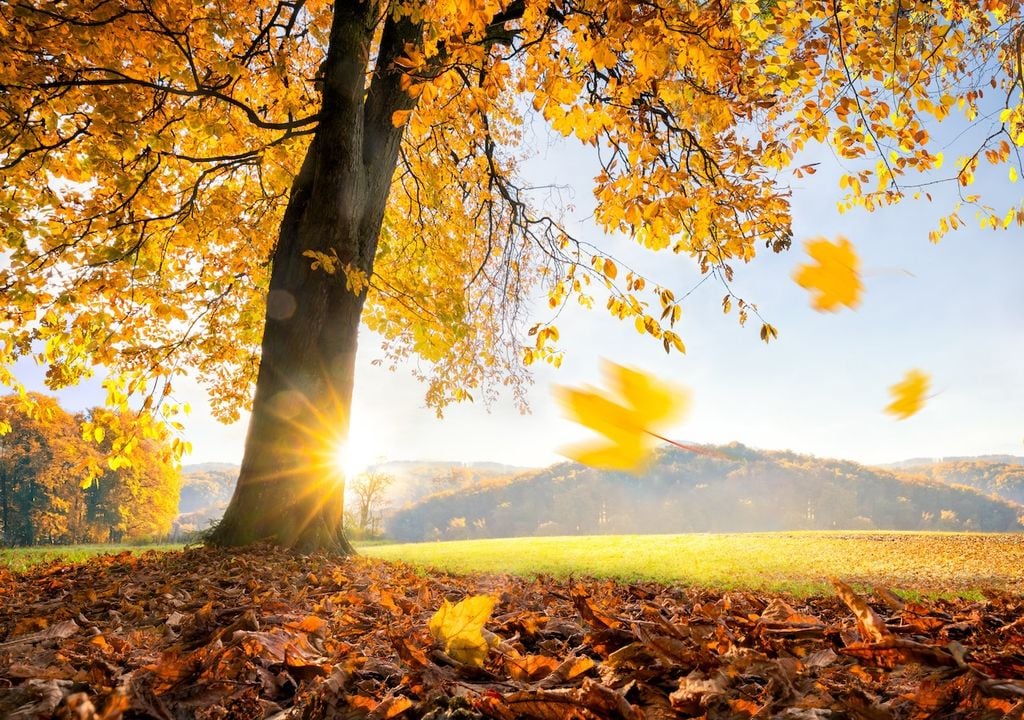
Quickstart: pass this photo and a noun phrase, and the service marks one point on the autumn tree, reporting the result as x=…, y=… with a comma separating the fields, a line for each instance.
x=135, y=500
x=41, y=465
x=368, y=489
x=57, y=488
x=230, y=188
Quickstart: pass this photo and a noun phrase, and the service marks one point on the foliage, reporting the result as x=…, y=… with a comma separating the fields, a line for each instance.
x=319, y=637
x=54, y=489
x=148, y=151
x=1001, y=479
x=723, y=489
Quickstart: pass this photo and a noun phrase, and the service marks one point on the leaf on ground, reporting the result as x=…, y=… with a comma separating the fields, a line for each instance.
x=893, y=652
x=833, y=278
x=871, y=627
x=663, y=651
x=459, y=628
x=909, y=394
x=530, y=667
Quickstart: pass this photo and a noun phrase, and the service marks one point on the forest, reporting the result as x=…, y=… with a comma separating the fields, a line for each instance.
x=57, y=487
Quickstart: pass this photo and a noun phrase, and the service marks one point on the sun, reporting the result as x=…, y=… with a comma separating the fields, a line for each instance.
x=348, y=459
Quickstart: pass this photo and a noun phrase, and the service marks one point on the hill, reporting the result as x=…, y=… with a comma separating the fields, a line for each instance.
x=417, y=479
x=205, y=491
x=912, y=463
x=206, y=487
x=745, y=490
x=1002, y=477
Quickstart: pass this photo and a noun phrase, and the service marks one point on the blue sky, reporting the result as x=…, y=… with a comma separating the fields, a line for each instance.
x=954, y=310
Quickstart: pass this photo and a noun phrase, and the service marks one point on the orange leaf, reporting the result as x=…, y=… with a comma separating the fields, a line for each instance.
x=834, y=276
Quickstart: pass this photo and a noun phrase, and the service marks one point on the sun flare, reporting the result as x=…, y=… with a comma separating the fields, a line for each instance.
x=348, y=460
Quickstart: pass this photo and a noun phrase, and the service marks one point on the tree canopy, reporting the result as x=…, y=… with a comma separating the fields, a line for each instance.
x=200, y=186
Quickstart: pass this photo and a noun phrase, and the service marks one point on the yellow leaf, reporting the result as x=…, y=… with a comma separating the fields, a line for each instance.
x=653, y=401
x=626, y=421
x=834, y=276
x=400, y=117
x=908, y=395
x=609, y=269
x=627, y=455
x=460, y=628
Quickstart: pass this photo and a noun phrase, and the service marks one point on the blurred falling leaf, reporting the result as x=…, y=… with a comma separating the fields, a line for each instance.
x=459, y=628
x=908, y=395
x=834, y=277
x=627, y=421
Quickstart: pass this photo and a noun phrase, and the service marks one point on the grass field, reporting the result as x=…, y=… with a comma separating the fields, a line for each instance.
x=930, y=564
x=19, y=559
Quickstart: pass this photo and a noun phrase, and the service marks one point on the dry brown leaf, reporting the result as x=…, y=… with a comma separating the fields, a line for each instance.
x=871, y=627
x=318, y=647
x=528, y=668
x=697, y=691
x=590, y=614
x=893, y=652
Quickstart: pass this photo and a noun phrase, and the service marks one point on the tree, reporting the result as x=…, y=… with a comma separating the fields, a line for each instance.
x=56, y=489
x=230, y=188
x=40, y=457
x=368, y=489
x=137, y=501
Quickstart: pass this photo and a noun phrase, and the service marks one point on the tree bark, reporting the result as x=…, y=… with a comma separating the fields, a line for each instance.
x=289, y=492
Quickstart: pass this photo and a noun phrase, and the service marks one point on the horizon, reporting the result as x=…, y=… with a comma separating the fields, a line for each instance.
x=664, y=446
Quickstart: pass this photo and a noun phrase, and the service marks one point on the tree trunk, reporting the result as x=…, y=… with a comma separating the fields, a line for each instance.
x=289, y=491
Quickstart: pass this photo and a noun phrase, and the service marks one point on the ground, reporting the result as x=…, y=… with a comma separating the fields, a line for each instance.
x=262, y=633
x=945, y=564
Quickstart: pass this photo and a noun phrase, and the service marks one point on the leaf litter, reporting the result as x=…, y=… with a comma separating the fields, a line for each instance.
x=263, y=633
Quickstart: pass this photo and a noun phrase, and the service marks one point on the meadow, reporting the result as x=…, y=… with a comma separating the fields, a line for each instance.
x=799, y=563
x=22, y=558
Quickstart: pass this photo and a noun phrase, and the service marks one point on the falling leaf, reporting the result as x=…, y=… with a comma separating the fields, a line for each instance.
x=459, y=628
x=834, y=277
x=627, y=421
x=908, y=395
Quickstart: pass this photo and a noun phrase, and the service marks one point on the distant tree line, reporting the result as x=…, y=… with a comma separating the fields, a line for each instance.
x=745, y=490
x=58, y=487
x=1002, y=479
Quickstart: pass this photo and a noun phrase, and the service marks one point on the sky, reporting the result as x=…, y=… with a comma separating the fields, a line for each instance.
x=954, y=310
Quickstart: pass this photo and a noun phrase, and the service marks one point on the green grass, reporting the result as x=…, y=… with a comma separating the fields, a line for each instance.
x=968, y=565
x=20, y=559
x=800, y=563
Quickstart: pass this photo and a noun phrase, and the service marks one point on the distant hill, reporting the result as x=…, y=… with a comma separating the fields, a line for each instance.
x=416, y=479
x=206, y=487
x=686, y=492
x=999, y=475
x=205, y=491
x=924, y=462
